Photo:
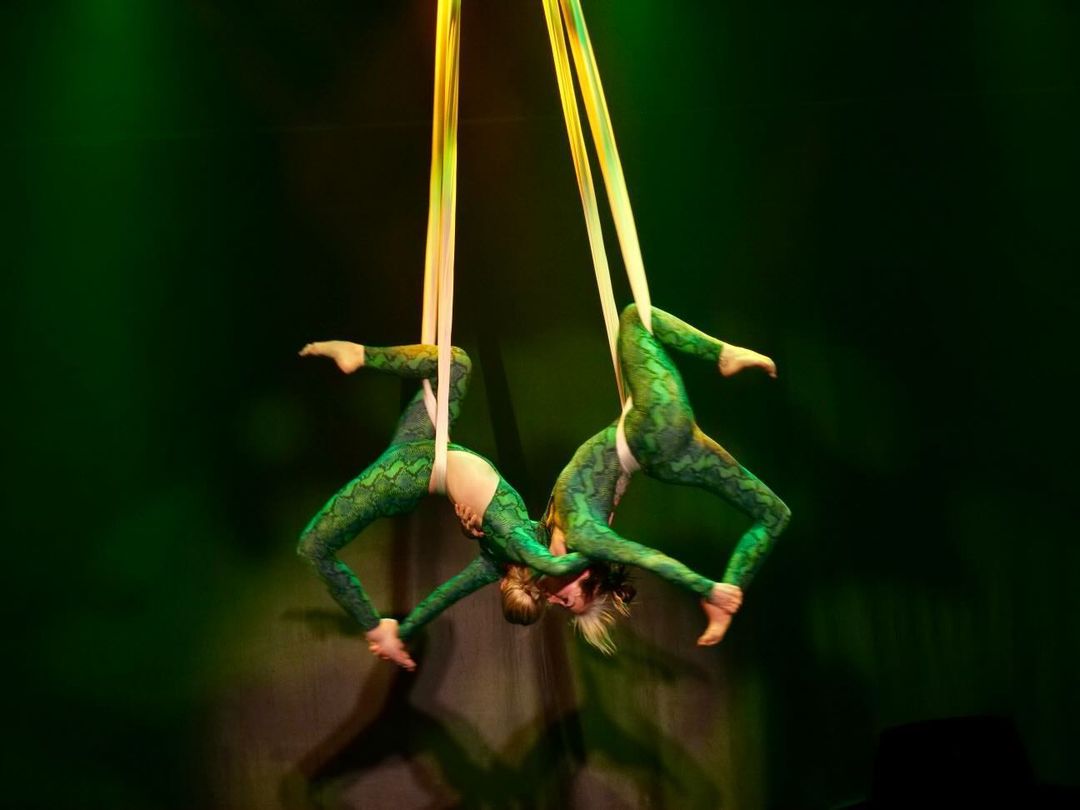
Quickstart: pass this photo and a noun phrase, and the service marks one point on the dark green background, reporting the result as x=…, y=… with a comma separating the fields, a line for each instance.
x=882, y=196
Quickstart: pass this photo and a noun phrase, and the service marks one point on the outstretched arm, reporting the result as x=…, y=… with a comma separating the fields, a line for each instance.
x=718, y=600
x=523, y=547
x=478, y=573
x=599, y=542
x=392, y=485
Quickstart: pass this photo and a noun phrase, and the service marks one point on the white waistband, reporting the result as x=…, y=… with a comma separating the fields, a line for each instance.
x=627, y=461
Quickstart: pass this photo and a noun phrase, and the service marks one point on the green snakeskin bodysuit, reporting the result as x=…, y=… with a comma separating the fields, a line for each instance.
x=396, y=482
x=667, y=443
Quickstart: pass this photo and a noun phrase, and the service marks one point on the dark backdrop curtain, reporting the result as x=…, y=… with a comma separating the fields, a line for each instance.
x=881, y=197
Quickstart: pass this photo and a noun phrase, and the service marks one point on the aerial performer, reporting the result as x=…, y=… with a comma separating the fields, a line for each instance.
x=656, y=433
x=510, y=545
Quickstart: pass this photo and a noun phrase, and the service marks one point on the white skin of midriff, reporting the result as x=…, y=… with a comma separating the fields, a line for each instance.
x=470, y=481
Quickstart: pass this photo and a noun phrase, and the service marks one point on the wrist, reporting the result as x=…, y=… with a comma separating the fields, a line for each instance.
x=385, y=627
x=726, y=596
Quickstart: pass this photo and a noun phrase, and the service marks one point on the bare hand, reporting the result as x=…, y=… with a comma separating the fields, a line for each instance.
x=471, y=523
x=725, y=596
x=384, y=642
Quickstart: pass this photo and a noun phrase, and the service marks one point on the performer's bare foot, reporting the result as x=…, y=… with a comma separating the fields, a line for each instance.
x=348, y=356
x=734, y=359
x=719, y=621
x=720, y=608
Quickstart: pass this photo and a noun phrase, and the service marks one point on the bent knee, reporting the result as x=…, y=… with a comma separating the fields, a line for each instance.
x=629, y=316
x=778, y=515
x=459, y=357
x=461, y=364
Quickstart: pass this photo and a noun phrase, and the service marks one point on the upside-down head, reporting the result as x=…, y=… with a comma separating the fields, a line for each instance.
x=596, y=597
x=522, y=600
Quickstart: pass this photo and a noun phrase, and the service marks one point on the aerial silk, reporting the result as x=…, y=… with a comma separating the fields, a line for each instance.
x=570, y=24
x=438, y=309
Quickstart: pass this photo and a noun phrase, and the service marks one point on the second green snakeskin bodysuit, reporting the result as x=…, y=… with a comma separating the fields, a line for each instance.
x=665, y=440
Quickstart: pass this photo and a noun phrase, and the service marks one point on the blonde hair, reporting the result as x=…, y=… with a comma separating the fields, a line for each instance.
x=522, y=601
x=609, y=593
x=595, y=623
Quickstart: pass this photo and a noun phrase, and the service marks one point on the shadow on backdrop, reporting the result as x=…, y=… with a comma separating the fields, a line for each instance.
x=449, y=758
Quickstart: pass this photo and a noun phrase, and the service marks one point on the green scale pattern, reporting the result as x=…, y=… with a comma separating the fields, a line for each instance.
x=666, y=441
x=397, y=481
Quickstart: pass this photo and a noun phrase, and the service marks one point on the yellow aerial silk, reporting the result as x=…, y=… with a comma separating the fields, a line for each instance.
x=442, y=209
x=571, y=24
x=442, y=203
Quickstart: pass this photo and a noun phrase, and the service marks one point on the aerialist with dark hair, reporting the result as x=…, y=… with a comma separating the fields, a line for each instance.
x=399, y=479
x=656, y=433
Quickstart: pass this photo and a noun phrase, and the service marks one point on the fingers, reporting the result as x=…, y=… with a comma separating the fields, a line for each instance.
x=726, y=597
x=470, y=520
x=389, y=652
x=404, y=660
x=400, y=657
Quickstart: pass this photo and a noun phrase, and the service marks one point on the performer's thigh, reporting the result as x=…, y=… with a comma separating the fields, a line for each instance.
x=649, y=373
x=414, y=424
x=661, y=422
x=704, y=463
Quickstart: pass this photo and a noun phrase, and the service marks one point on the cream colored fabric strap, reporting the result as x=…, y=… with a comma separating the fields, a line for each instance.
x=442, y=208
x=579, y=154
x=592, y=92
